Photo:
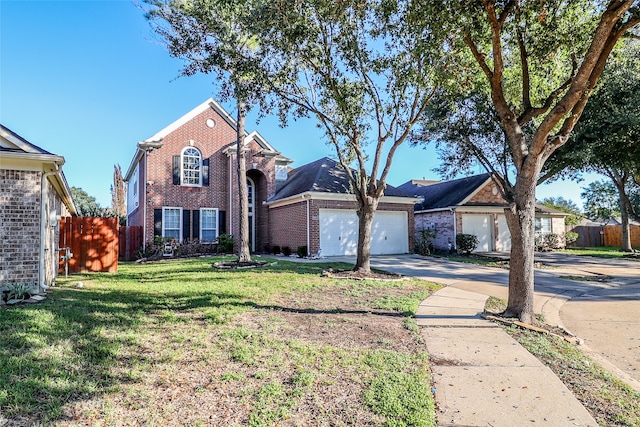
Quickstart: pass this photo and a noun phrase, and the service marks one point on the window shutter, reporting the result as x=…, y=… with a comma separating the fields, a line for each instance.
x=205, y=172
x=196, y=224
x=222, y=222
x=186, y=224
x=157, y=222
x=176, y=170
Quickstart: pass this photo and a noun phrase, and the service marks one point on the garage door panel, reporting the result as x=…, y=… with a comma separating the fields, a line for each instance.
x=481, y=226
x=504, y=235
x=339, y=232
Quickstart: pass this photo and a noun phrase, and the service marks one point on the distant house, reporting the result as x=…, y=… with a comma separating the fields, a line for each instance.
x=34, y=195
x=316, y=207
x=182, y=184
x=471, y=205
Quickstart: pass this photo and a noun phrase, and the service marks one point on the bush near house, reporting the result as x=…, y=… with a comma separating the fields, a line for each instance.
x=466, y=243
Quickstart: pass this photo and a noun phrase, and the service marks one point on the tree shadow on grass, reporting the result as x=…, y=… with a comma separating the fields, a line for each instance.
x=65, y=348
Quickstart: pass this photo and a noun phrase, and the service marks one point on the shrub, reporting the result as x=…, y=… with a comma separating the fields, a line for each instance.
x=276, y=250
x=570, y=237
x=225, y=243
x=286, y=250
x=424, y=241
x=466, y=243
x=19, y=290
x=547, y=242
x=302, y=251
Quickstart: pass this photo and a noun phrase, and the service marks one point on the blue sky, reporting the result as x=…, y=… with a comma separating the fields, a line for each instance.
x=88, y=79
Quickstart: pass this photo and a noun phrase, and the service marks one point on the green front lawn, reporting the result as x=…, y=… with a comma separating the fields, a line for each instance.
x=181, y=343
x=600, y=252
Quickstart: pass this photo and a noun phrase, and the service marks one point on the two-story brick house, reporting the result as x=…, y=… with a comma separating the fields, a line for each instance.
x=182, y=184
x=182, y=181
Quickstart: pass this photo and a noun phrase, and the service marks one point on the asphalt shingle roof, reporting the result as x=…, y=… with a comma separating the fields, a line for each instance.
x=33, y=149
x=322, y=176
x=446, y=193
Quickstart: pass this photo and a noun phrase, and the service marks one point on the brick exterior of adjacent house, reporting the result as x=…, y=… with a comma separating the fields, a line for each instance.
x=20, y=231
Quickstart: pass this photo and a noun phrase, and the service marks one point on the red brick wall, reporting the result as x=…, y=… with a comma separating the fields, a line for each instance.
x=289, y=225
x=211, y=142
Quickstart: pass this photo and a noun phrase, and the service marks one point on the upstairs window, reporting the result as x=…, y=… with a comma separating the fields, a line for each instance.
x=191, y=167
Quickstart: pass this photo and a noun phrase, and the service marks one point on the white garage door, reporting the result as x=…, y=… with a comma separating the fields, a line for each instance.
x=481, y=226
x=339, y=232
x=504, y=235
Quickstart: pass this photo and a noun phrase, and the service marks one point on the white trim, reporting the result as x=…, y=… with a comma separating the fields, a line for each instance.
x=217, y=233
x=164, y=222
x=337, y=197
x=32, y=156
x=199, y=184
x=209, y=103
x=252, y=214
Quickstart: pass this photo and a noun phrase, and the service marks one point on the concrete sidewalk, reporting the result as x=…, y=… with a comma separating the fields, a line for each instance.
x=482, y=376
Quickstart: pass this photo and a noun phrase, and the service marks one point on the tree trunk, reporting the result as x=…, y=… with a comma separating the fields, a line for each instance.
x=625, y=245
x=365, y=219
x=244, y=254
x=521, y=221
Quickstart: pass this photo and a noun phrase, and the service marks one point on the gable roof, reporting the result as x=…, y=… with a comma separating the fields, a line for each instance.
x=155, y=141
x=323, y=176
x=446, y=193
x=12, y=142
x=17, y=149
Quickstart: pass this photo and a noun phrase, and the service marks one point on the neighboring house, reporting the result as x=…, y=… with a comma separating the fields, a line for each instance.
x=182, y=184
x=34, y=195
x=471, y=205
x=182, y=181
x=316, y=208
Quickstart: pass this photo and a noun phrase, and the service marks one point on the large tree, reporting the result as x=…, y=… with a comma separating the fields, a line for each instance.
x=210, y=36
x=606, y=138
x=538, y=62
x=363, y=70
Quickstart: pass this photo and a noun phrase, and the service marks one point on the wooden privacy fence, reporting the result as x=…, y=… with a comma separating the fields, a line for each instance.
x=97, y=244
x=608, y=235
x=93, y=243
x=613, y=235
x=129, y=242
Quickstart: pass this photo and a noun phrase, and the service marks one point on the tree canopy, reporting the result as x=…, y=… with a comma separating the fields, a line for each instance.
x=537, y=62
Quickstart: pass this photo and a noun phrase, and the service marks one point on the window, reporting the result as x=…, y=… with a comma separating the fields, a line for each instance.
x=190, y=167
x=171, y=223
x=543, y=225
x=208, y=224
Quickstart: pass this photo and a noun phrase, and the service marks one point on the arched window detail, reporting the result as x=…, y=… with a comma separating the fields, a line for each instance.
x=191, y=167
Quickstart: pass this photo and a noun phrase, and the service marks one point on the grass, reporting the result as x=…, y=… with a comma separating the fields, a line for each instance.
x=599, y=252
x=178, y=342
x=610, y=401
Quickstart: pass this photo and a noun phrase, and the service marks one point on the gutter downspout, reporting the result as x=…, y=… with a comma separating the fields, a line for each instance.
x=455, y=231
x=230, y=231
x=308, y=229
x=44, y=214
x=144, y=200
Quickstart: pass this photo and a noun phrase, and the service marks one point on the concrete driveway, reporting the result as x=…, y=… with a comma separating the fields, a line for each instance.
x=603, y=308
